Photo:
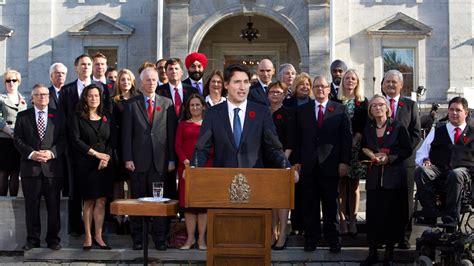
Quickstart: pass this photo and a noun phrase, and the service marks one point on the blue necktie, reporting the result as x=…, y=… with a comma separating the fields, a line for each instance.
x=237, y=127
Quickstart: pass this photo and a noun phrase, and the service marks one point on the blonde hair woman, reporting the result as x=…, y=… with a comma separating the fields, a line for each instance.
x=11, y=103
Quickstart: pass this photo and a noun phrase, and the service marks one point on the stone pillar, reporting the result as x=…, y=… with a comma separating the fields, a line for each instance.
x=461, y=66
x=39, y=42
x=318, y=32
x=176, y=41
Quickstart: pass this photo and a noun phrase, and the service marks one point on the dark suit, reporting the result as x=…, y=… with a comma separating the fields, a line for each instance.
x=68, y=105
x=191, y=82
x=334, y=91
x=408, y=116
x=150, y=147
x=320, y=151
x=216, y=132
x=165, y=91
x=41, y=178
x=258, y=94
x=385, y=184
x=53, y=98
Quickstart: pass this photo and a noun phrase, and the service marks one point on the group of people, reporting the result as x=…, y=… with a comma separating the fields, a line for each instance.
x=104, y=129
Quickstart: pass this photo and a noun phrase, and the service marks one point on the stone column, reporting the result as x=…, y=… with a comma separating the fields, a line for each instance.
x=175, y=42
x=39, y=41
x=461, y=66
x=318, y=32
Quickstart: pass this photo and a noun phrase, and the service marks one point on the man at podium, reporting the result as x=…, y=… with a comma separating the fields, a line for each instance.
x=241, y=132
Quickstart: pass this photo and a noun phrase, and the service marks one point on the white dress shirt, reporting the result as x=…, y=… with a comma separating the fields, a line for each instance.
x=208, y=100
x=395, y=104
x=82, y=84
x=423, y=153
x=230, y=111
x=180, y=92
x=316, y=107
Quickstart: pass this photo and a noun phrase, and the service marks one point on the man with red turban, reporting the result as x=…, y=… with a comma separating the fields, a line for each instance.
x=196, y=63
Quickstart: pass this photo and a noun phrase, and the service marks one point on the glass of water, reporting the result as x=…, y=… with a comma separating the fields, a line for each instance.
x=157, y=190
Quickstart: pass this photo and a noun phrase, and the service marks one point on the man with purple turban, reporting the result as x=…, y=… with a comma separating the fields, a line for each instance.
x=196, y=63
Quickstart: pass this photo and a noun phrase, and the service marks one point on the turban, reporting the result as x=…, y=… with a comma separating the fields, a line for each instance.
x=193, y=57
x=338, y=64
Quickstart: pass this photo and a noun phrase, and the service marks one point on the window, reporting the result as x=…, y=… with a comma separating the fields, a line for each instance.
x=109, y=52
x=403, y=60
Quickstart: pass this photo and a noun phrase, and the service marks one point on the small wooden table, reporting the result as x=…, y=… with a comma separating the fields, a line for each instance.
x=133, y=207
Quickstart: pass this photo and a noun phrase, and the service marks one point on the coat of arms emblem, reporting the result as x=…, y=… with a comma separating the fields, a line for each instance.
x=239, y=189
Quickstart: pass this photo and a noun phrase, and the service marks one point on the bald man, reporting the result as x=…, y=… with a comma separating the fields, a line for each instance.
x=258, y=91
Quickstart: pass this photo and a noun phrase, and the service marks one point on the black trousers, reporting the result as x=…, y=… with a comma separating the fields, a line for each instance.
x=452, y=180
x=141, y=186
x=33, y=189
x=75, y=206
x=320, y=190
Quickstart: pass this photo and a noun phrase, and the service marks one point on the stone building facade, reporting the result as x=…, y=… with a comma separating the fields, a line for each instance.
x=435, y=37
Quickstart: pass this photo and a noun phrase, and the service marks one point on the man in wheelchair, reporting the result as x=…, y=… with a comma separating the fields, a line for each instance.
x=446, y=157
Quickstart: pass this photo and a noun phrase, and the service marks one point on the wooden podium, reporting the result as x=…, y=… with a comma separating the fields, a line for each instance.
x=239, y=202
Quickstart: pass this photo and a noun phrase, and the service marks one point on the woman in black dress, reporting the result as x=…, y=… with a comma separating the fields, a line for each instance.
x=284, y=120
x=386, y=144
x=92, y=136
x=124, y=90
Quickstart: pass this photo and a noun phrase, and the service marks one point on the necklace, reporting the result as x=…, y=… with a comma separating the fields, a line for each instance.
x=382, y=126
x=196, y=121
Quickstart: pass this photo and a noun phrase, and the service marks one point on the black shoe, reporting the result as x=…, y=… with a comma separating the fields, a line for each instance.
x=104, y=247
x=280, y=247
x=335, y=248
x=86, y=248
x=137, y=246
x=54, y=246
x=371, y=259
x=29, y=246
x=448, y=220
x=404, y=244
x=160, y=246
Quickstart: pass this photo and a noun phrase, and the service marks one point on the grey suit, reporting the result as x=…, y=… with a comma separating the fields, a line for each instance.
x=150, y=146
x=9, y=111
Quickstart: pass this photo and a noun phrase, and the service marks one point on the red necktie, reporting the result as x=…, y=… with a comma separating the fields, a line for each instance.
x=149, y=110
x=177, y=102
x=320, y=116
x=392, y=107
x=457, y=134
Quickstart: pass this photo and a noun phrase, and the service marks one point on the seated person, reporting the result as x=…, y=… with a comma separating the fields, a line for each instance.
x=446, y=155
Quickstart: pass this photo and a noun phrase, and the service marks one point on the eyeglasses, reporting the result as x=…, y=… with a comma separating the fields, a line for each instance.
x=11, y=80
x=321, y=87
x=276, y=93
x=41, y=94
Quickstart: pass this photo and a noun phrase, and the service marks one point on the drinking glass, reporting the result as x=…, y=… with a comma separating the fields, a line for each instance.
x=157, y=190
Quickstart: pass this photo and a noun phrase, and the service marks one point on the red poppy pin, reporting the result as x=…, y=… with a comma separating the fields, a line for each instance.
x=279, y=117
x=251, y=114
x=110, y=85
x=401, y=104
x=158, y=108
x=357, y=103
x=465, y=139
x=104, y=119
x=330, y=109
x=23, y=102
x=385, y=150
x=50, y=115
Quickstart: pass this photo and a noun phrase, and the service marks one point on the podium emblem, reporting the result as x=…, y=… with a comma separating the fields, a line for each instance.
x=239, y=189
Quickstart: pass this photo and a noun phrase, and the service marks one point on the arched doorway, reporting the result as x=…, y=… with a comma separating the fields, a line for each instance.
x=222, y=43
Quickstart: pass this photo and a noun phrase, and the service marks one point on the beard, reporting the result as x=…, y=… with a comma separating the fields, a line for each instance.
x=196, y=75
x=337, y=81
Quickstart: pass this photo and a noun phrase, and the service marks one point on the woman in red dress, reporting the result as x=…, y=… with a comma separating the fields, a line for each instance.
x=186, y=138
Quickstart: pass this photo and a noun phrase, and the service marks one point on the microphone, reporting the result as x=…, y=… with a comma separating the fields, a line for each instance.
x=203, y=139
